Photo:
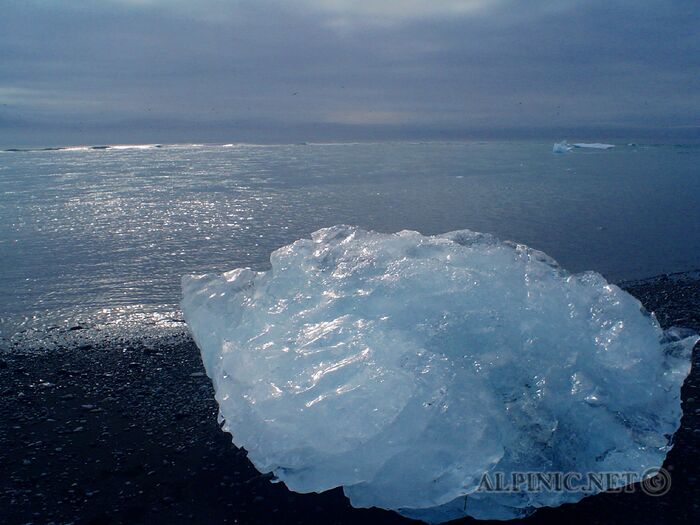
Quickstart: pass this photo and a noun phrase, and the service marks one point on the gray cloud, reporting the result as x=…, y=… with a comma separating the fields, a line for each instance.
x=131, y=70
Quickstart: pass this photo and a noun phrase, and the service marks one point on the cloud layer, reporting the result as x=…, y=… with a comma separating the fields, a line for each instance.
x=129, y=70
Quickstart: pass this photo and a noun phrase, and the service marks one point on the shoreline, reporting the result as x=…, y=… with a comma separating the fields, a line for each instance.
x=105, y=429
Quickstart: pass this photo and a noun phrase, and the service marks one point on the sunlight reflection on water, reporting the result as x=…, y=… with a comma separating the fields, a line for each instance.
x=106, y=234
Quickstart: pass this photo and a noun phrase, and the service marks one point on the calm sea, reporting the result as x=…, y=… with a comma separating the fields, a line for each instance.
x=104, y=235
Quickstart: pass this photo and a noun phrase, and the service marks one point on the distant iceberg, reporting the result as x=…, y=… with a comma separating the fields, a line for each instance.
x=593, y=145
x=565, y=147
x=561, y=147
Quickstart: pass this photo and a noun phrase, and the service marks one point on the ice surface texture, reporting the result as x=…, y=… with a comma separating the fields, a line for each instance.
x=402, y=367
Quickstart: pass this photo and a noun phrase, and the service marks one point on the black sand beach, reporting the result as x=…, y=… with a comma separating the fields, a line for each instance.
x=105, y=430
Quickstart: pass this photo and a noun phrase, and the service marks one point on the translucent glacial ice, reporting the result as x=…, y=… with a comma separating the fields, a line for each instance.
x=403, y=367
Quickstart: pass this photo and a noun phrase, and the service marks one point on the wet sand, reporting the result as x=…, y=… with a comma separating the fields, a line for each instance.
x=100, y=430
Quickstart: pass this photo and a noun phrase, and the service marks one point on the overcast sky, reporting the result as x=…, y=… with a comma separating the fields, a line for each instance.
x=86, y=71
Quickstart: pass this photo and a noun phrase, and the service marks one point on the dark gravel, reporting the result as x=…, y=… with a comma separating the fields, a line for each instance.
x=107, y=430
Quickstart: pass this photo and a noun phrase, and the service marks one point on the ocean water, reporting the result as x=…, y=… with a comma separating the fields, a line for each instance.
x=103, y=235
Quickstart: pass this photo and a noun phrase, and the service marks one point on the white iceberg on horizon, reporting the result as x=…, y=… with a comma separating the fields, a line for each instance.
x=561, y=147
x=593, y=145
x=565, y=147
